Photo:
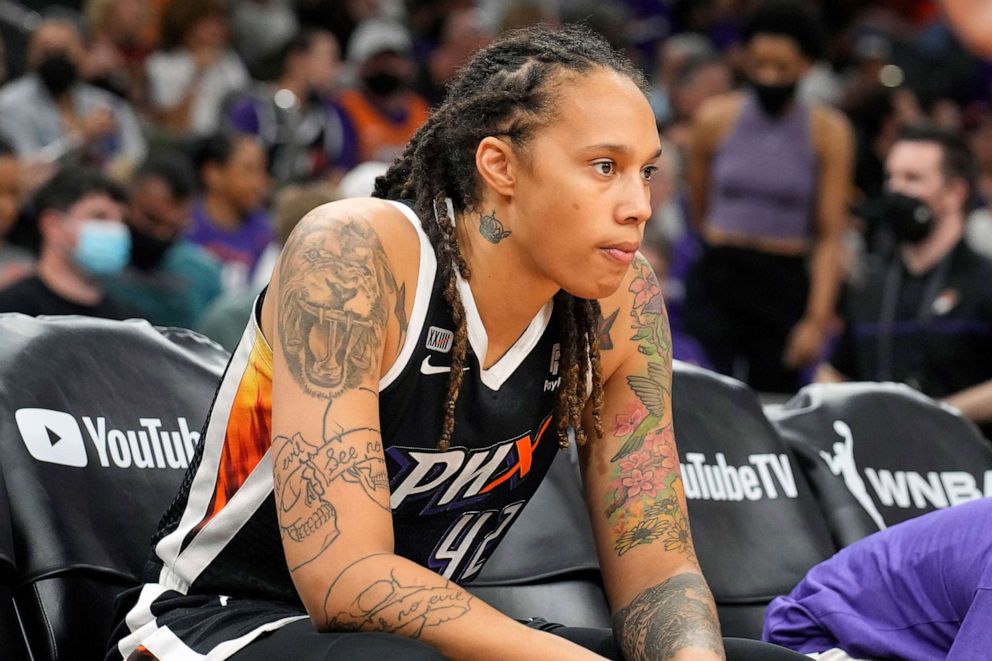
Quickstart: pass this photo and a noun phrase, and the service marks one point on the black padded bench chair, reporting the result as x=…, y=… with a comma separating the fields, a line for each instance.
x=98, y=421
x=880, y=453
x=754, y=519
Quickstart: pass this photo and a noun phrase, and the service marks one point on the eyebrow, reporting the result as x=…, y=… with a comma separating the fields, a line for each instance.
x=620, y=149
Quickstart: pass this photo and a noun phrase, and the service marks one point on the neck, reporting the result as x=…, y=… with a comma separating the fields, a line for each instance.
x=221, y=212
x=923, y=256
x=507, y=287
x=66, y=280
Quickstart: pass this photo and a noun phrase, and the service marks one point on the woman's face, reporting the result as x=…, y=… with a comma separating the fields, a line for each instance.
x=583, y=195
x=774, y=60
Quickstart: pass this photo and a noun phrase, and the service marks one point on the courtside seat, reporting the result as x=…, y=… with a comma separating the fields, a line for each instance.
x=547, y=566
x=756, y=525
x=98, y=421
x=880, y=453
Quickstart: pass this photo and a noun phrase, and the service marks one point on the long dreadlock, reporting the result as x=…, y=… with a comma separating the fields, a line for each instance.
x=506, y=90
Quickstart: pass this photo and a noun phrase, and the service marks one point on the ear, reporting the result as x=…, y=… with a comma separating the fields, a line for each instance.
x=497, y=165
x=957, y=191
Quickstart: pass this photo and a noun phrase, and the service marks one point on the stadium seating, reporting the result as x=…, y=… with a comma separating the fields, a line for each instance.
x=98, y=420
x=881, y=453
x=755, y=523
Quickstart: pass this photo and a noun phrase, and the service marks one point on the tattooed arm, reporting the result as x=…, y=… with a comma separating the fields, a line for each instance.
x=662, y=608
x=336, y=306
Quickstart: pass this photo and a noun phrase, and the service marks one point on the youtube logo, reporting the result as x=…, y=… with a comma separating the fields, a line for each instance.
x=52, y=436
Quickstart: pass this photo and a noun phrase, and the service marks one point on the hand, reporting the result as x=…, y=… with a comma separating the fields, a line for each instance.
x=97, y=124
x=805, y=343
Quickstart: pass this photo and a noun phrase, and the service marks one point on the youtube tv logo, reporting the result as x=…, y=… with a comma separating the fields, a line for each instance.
x=52, y=436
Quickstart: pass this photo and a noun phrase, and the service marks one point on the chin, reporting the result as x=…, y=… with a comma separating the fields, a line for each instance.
x=596, y=290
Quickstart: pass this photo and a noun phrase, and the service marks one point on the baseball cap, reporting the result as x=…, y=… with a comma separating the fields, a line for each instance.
x=377, y=35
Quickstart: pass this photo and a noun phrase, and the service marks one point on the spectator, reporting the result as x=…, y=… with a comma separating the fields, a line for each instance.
x=261, y=27
x=924, y=312
x=770, y=178
x=383, y=108
x=118, y=46
x=224, y=321
x=918, y=590
x=15, y=261
x=171, y=281
x=80, y=216
x=190, y=80
x=306, y=134
x=51, y=115
x=229, y=219
x=463, y=33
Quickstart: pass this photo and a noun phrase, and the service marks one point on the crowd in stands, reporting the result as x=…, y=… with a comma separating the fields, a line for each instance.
x=823, y=209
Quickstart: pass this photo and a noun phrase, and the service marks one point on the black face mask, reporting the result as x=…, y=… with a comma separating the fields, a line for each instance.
x=909, y=218
x=57, y=73
x=147, y=251
x=774, y=98
x=383, y=83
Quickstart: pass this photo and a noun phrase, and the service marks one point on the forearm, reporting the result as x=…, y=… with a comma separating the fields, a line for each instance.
x=975, y=403
x=675, y=619
x=388, y=593
x=824, y=280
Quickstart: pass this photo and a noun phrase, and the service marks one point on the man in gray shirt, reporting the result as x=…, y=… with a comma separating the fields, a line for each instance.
x=50, y=115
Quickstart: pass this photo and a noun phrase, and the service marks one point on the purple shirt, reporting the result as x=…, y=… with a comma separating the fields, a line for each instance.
x=919, y=590
x=238, y=250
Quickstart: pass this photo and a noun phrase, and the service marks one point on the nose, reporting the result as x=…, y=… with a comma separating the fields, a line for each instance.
x=635, y=207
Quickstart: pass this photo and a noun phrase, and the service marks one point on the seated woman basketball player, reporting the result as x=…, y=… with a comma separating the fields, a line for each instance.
x=408, y=376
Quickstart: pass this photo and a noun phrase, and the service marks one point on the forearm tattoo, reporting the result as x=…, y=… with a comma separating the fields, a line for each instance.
x=667, y=618
x=643, y=504
x=404, y=607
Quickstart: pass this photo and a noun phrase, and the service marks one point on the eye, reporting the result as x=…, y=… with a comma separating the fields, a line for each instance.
x=648, y=172
x=605, y=168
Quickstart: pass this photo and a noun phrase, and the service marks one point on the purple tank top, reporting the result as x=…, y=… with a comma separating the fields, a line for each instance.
x=763, y=179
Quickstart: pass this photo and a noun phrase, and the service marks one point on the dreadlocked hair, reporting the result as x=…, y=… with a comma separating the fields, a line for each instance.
x=508, y=89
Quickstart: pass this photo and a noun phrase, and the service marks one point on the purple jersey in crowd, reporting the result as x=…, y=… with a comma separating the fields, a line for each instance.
x=919, y=590
x=238, y=250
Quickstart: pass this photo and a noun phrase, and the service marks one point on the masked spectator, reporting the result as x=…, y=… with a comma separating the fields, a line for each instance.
x=383, y=108
x=171, y=281
x=51, y=115
x=306, y=134
x=80, y=217
x=924, y=313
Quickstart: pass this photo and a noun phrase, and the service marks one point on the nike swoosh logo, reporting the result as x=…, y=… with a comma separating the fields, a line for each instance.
x=427, y=368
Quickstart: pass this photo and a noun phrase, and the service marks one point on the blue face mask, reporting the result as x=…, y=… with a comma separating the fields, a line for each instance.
x=103, y=248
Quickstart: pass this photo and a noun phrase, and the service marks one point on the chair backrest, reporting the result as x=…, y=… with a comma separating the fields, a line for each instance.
x=881, y=453
x=99, y=420
x=755, y=524
x=547, y=566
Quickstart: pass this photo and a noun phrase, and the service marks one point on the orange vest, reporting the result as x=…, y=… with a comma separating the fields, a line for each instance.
x=379, y=137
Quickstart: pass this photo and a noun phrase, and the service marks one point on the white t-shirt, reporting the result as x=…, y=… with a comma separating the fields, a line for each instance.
x=171, y=73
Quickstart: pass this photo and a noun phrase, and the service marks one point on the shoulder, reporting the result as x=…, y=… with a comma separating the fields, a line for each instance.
x=352, y=230
x=16, y=91
x=715, y=117
x=636, y=309
x=829, y=125
x=720, y=109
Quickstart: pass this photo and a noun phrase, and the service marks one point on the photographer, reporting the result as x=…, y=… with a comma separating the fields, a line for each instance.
x=923, y=313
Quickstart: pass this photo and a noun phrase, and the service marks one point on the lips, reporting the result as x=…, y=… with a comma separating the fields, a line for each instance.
x=621, y=252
